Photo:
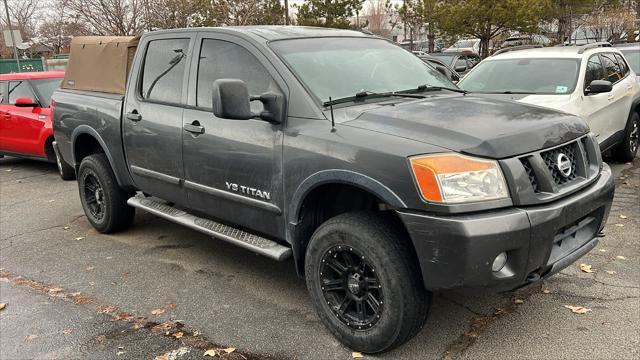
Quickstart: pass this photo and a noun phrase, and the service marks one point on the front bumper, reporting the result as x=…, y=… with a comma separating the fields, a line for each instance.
x=458, y=251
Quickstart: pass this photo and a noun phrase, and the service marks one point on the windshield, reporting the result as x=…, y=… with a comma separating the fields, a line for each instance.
x=447, y=59
x=535, y=76
x=45, y=88
x=342, y=67
x=633, y=58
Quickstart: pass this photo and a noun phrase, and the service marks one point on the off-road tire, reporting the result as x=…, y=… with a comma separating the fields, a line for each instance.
x=626, y=151
x=116, y=214
x=66, y=172
x=405, y=302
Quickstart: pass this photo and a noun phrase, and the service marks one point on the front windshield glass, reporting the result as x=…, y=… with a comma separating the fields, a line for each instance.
x=341, y=67
x=633, y=58
x=535, y=76
x=45, y=88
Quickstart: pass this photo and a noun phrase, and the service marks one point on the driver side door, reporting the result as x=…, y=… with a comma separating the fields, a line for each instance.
x=594, y=107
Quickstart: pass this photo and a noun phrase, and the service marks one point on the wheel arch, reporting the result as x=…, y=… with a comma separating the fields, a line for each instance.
x=329, y=193
x=86, y=141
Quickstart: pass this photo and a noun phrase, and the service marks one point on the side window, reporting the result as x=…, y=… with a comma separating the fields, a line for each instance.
x=3, y=90
x=18, y=89
x=460, y=62
x=595, y=71
x=226, y=60
x=614, y=73
x=163, y=71
x=623, y=65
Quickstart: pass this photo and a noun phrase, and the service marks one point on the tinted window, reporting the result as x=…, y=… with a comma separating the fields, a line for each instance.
x=45, y=89
x=614, y=73
x=18, y=89
x=595, y=71
x=224, y=60
x=163, y=71
x=535, y=76
x=623, y=65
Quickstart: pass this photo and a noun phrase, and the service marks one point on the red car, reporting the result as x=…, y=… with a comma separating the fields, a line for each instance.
x=25, y=116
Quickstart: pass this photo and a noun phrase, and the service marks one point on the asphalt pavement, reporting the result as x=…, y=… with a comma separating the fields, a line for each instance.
x=161, y=290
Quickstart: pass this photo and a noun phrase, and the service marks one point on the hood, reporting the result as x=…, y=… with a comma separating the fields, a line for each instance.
x=471, y=124
x=557, y=102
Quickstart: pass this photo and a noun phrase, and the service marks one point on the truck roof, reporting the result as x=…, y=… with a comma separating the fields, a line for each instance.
x=33, y=75
x=279, y=32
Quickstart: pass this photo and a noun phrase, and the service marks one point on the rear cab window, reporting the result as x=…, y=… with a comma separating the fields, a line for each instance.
x=163, y=70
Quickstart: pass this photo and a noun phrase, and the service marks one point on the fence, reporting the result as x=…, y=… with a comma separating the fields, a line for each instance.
x=11, y=66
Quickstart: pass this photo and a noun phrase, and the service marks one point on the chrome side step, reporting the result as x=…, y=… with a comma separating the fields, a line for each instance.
x=235, y=236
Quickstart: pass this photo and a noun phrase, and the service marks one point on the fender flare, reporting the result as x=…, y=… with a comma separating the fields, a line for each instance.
x=339, y=176
x=88, y=130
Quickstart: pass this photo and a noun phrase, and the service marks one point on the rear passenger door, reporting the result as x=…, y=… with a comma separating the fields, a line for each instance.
x=152, y=123
x=233, y=169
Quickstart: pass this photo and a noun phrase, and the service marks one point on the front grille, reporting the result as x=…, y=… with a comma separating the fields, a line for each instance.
x=551, y=160
x=531, y=174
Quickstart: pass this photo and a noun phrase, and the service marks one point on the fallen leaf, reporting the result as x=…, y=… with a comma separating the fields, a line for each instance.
x=585, y=268
x=157, y=312
x=89, y=268
x=623, y=216
x=610, y=272
x=171, y=306
x=120, y=353
x=55, y=290
x=109, y=257
x=178, y=335
x=210, y=352
x=2, y=306
x=9, y=170
x=65, y=228
x=31, y=337
x=518, y=301
x=66, y=331
x=620, y=225
x=229, y=350
x=603, y=250
x=51, y=200
x=546, y=291
x=578, y=309
x=161, y=357
x=80, y=238
x=620, y=257
x=356, y=355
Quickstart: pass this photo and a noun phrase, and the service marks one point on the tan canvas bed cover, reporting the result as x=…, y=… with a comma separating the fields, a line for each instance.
x=100, y=63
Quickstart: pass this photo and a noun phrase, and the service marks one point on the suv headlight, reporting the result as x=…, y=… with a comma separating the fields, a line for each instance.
x=454, y=178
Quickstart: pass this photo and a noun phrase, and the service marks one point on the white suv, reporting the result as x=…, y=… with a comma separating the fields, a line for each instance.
x=592, y=81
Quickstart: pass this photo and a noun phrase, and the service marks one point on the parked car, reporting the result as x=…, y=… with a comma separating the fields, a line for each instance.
x=465, y=46
x=381, y=178
x=631, y=52
x=25, y=115
x=592, y=81
x=462, y=63
x=445, y=69
x=525, y=39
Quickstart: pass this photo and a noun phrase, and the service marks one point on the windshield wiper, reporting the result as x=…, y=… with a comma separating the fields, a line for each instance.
x=370, y=94
x=423, y=88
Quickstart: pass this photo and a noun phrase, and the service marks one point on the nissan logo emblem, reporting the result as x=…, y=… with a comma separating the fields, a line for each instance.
x=564, y=165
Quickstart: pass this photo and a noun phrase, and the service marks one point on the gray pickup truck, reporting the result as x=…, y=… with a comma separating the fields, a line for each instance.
x=379, y=177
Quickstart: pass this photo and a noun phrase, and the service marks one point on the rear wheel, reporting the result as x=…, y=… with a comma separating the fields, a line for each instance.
x=628, y=149
x=365, y=283
x=104, y=202
x=66, y=172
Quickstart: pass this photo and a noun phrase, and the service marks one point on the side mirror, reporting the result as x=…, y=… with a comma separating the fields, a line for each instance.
x=461, y=68
x=599, y=87
x=231, y=100
x=25, y=102
x=442, y=70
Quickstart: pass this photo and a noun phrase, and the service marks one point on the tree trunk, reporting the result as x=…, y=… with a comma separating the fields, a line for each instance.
x=484, y=46
x=431, y=36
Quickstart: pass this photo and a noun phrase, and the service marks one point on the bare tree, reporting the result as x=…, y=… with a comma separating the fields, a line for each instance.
x=61, y=26
x=24, y=16
x=110, y=17
x=379, y=15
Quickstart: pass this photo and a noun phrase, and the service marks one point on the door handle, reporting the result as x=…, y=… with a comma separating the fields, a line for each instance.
x=134, y=116
x=611, y=97
x=194, y=128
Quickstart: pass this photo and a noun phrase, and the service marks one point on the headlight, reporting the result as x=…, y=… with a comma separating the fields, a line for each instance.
x=454, y=178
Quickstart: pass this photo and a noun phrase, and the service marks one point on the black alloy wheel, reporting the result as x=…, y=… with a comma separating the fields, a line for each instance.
x=94, y=196
x=351, y=287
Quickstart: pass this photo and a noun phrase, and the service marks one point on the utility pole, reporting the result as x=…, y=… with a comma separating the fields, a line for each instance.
x=286, y=12
x=13, y=38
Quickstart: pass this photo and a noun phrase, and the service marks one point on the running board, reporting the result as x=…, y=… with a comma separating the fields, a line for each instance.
x=235, y=236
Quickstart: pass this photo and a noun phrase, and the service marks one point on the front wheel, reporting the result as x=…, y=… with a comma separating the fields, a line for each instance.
x=365, y=283
x=628, y=149
x=103, y=201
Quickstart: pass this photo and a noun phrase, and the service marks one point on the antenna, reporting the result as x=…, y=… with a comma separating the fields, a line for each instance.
x=333, y=122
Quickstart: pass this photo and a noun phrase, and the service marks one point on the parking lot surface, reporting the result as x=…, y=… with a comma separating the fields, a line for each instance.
x=161, y=289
